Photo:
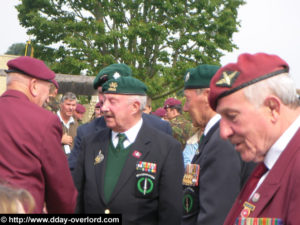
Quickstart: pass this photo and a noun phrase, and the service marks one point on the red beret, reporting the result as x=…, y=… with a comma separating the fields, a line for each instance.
x=97, y=105
x=248, y=70
x=55, y=83
x=31, y=67
x=161, y=112
x=171, y=102
x=80, y=108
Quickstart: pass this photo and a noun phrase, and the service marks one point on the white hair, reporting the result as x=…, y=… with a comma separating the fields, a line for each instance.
x=281, y=86
x=142, y=99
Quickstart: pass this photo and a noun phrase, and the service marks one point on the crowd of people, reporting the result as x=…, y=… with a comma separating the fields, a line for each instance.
x=231, y=159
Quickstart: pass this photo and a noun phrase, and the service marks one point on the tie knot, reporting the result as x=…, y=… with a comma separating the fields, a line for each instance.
x=261, y=170
x=122, y=137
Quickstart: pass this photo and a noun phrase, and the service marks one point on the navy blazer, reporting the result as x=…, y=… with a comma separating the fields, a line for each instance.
x=162, y=206
x=99, y=124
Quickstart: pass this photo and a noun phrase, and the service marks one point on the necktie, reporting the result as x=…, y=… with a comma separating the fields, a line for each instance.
x=122, y=138
x=259, y=171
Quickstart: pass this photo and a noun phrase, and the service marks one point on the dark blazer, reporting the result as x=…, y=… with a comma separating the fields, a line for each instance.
x=30, y=153
x=279, y=193
x=99, y=124
x=220, y=181
x=163, y=206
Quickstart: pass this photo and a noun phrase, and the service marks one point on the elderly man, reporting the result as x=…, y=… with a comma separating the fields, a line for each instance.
x=182, y=128
x=110, y=72
x=30, y=150
x=135, y=169
x=218, y=170
x=260, y=112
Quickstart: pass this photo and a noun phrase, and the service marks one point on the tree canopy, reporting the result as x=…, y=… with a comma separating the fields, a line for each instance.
x=16, y=49
x=158, y=39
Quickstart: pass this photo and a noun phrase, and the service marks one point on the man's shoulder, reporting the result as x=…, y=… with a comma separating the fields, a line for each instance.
x=94, y=125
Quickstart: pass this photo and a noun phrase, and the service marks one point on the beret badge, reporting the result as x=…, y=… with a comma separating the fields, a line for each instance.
x=116, y=75
x=227, y=78
x=113, y=86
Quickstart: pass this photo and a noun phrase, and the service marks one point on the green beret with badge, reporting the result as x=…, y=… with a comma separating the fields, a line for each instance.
x=200, y=76
x=112, y=71
x=125, y=86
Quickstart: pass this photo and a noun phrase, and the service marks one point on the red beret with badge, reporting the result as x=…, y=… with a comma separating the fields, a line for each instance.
x=171, y=102
x=31, y=67
x=80, y=108
x=248, y=70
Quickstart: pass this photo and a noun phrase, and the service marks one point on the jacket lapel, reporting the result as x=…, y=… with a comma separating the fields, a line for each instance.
x=102, y=145
x=273, y=180
x=141, y=145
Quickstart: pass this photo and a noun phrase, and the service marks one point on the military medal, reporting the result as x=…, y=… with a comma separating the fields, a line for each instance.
x=99, y=158
x=191, y=175
x=256, y=197
x=146, y=167
x=247, y=209
x=258, y=221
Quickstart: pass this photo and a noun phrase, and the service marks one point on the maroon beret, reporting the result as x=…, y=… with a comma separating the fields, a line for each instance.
x=97, y=105
x=161, y=112
x=80, y=108
x=31, y=67
x=248, y=70
x=171, y=102
x=55, y=83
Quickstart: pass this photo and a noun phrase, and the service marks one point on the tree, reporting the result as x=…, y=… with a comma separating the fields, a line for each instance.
x=16, y=49
x=159, y=39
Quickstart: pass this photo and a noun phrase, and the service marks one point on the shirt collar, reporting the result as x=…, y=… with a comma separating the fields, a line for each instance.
x=279, y=146
x=71, y=120
x=211, y=123
x=131, y=133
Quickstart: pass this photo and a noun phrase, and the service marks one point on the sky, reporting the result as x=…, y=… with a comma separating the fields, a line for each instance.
x=270, y=26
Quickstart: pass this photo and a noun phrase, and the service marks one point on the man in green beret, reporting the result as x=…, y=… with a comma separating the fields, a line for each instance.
x=130, y=167
x=112, y=71
x=209, y=198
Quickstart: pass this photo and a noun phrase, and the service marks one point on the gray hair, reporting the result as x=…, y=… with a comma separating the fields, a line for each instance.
x=281, y=86
x=139, y=98
x=68, y=96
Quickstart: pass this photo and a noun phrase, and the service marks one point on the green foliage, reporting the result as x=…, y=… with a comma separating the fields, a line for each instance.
x=16, y=49
x=159, y=39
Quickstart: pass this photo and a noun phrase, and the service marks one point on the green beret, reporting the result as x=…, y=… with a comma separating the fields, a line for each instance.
x=200, y=76
x=124, y=85
x=111, y=71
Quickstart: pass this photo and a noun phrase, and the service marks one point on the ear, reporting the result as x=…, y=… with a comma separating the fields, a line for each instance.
x=33, y=87
x=273, y=104
x=136, y=106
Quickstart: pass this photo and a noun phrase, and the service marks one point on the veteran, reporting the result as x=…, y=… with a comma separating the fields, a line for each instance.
x=216, y=167
x=30, y=148
x=259, y=105
x=130, y=167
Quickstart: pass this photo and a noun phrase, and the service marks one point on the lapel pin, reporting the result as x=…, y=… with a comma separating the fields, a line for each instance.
x=99, y=158
x=256, y=197
x=136, y=154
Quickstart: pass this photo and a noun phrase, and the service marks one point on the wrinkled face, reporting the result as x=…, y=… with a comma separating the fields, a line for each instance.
x=246, y=126
x=196, y=105
x=68, y=107
x=117, y=111
x=43, y=88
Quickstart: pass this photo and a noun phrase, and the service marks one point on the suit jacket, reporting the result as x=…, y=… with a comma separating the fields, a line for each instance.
x=162, y=206
x=220, y=181
x=279, y=194
x=99, y=124
x=30, y=153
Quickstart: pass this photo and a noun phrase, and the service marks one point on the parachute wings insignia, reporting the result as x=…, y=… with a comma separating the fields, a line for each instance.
x=227, y=78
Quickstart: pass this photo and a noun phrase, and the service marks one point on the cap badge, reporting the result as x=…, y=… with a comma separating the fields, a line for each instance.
x=113, y=86
x=227, y=78
x=187, y=77
x=116, y=75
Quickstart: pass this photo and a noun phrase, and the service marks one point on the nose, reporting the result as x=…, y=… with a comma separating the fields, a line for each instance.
x=225, y=129
x=103, y=107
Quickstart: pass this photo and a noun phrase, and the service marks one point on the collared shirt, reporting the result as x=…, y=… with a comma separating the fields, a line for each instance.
x=277, y=148
x=131, y=134
x=67, y=125
x=211, y=123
